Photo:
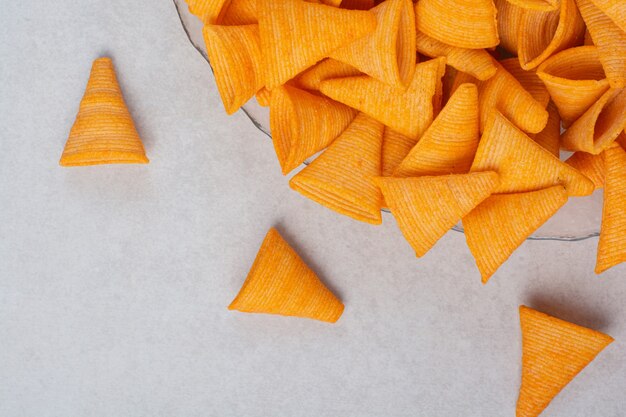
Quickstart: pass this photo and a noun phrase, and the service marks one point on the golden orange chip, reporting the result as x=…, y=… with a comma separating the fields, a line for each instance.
x=357, y=4
x=324, y=70
x=387, y=54
x=528, y=79
x=575, y=79
x=103, y=132
x=553, y=353
x=543, y=5
x=588, y=40
x=591, y=166
x=476, y=62
x=599, y=126
x=610, y=40
x=550, y=137
x=235, y=56
x=612, y=243
x=341, y=177
x=501, y=223
x=523, y=165
x=509, y=18
x=543, y=33
x=279, y=282
x=427, y=207
x=263, y=97
x=449, y=144
x=409, y=112
x=614, y=9
x=209, y=11
x=396, y=147
x=296, y=34
x=463, y=23
x=303, y=124
x=621, y=139
x=240, y=12
x=334, y=3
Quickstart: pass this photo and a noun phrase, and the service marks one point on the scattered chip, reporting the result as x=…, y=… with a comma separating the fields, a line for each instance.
x=396, y=147
x=103, y=132
x=528, y=79
x=591, y=166
x=509, y=18
x=240, y=12
x=208, y=11
x=553, y=353
x=448, y=146
x=588, y=40
x=501, y=223
x=550, y=137
x=427, y=207
x=543, y=5
x=614, y=9
x=324, y=70
x=279, y=282
x=357, y=4
x=263, y=97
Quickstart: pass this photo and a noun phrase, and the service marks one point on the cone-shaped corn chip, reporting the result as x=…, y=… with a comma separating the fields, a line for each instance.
x=103, y=132
x=334, y=3
x=543, y=5
x=621, y=139
x=542, y=34
x=449, y=144
x=599, y=126
x=427, y=207
x=341, y=177
x=263, y=97
x=553, y=353
x=387, y=54
x=610, y=40
x=357, y=4
x=588, y=40
x=523, y=165
x=324, y=70
x=396, y=147
x=591, y=166
x=409, y=112
x=235, y=55
x=240, y=12
x=279, y=282
x=615, y=10
x=550, y=137
x=476, y=62
x=296, y=34
x=208, y=11
x=612, y=244
x=500, y=224
x=575, y=79
x=509, y=18
x=463, y=23
x=528, y=79
x=303, y=124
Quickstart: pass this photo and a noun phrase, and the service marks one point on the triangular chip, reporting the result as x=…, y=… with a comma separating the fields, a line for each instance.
x=323, y=70
x=501, y=223
x=396, y=147
x=591, y=166
x=528, y=79
x=476, y=62
x=409, y=112
x=554, y=351
x=427, y=207
x=462, y=23
x=588, y=40
x=550, y=137
x=208, y=11
x=341, y=177
x=279, y=282
x=610, y=40
x=615, y=10
x=263, y=97
x=303, y=124
x=621, y=139
x=599, y=126
x=387, y=54
x=544, y=5
x=296, y=34
x=560, y=29
x=357, y=4
x=240, y=12
x=509, y=18
x=448, y=146
x=235, y=56
x=523, y=165
x=575, y=79
x=612, y=243
x=103, y=132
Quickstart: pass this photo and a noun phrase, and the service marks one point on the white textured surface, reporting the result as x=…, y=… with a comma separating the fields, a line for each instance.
x=114, y=280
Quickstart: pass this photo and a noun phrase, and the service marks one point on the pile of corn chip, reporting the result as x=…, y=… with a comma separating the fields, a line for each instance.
x=419, y=109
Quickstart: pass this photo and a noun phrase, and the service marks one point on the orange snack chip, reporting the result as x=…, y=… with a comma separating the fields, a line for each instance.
x=463, y=23
x=409, y=112
x=279, y=282
x=357, y=4
x=550, y=137
x=509, y=18
x=476, y=62
x=543, y=33
x=396, y=147
x=324, y=70
x=240, y=12
x=554, y=351
x=208, y=11
x=341, y=177
x=599, y=126
x=523, y=165
x=388, y=53
x=528, y=79
x=543, y=5
x=591, y=166
x=263, y=97
x=235, y=55
x=296, y=34
x=501, y=223
x=449, y=144
x=103, y=132
x=614, y=9
x=612, y=243
x=610, y=39
x=427, y=207
x=303, y=124
x=588, y=40
x=575, y=79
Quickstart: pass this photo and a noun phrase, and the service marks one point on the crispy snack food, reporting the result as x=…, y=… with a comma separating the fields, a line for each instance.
x=396, y=147
x=509, y=18
x=103, y=132
x=614, y=9
x=357, y=4
x=591, y=166
x=239, y=12
x=208, y=11
x=279, y=282
x=543, y=5
x=550, y=137
x=553, y=353
x=528, y=79
x=323, y=70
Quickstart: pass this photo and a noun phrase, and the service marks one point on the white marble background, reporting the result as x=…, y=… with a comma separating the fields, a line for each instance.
x=114, y=280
